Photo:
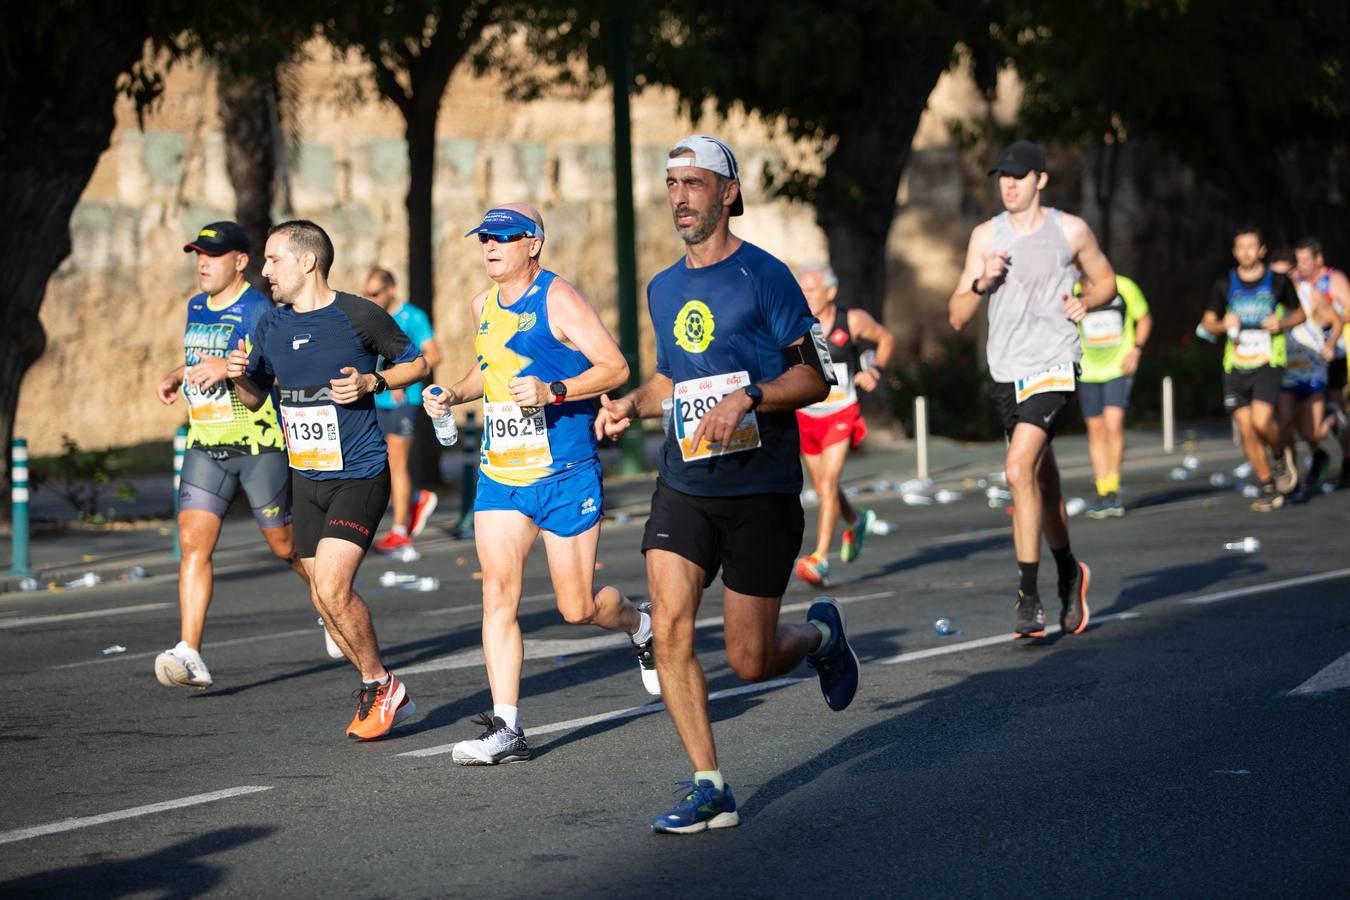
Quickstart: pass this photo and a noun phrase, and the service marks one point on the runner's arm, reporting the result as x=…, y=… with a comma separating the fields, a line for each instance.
x=241, y=366
x=167, y=390
x=576, y=322
x=1099, y=278
x=861, y=324
x=964, y=302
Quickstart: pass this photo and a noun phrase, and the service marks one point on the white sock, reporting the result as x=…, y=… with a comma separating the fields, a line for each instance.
x=644, y=629
x=400, y=530
x=508, y=714
x=384, y=680
x=715, y=776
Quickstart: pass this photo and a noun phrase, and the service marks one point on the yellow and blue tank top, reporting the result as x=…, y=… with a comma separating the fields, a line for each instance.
x=517, y=341
x=217, y=419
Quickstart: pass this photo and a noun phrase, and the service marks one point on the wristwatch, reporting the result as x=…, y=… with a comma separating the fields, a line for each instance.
x=559, y=391
x=755, y=394
x=380, y=384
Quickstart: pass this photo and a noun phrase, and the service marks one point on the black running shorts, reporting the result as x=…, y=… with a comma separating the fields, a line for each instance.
x=753, y=539
x=1242, y=386
x=346, y=508
x=1042, y=410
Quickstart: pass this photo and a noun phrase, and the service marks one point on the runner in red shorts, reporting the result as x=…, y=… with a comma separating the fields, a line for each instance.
x=833, y=427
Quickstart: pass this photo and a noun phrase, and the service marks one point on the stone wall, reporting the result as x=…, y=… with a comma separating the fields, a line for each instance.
x=114, y=310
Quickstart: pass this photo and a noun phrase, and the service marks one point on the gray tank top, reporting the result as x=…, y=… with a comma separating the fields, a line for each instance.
x=1028, y=331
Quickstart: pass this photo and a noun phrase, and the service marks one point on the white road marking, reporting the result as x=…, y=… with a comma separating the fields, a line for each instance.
x=23, y=834
x=976, y=644
x=1270, y=586
x=546, y=648
x=209, y=645
x=631, y=712
x=21, y=621
x=1333, y=678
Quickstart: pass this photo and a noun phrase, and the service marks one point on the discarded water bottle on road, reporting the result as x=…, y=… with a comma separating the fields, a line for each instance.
x=135, y=573
x=880, y=526
x=446, y=430
x=88, y=579
x=1328, y=487
x=1180, y=473
x=1074, y=505
x=1219, y=479
x=393, y=579
x=914, y=498
x=406, y=554
x=1246, y=545
x=1243, y=471
x=28, y=584
x=1251, y=491
x=424, y=584
x=944, y=628
x=946, y=496
x=1191, y=463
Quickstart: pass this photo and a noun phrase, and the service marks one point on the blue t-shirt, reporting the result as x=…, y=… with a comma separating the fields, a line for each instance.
x=417, y=327
x=302, y=352
x=735, y=315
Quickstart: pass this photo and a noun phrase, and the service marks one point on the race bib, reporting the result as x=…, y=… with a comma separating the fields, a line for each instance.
x=694, y=399
x=207, y=406
x=513, y=440
x=312, y=439
x=1251, y=349
x=1103, y=328
x=842, y=395
x=1057, y=378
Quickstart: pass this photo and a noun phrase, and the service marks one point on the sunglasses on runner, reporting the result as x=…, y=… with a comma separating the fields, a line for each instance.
x=484, y=237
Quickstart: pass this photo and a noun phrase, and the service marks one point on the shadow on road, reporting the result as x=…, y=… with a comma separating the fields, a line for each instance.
x=1191, y=578
x=180, y=870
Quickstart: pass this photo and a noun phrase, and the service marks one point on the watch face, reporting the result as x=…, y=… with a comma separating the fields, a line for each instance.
x=558, y=389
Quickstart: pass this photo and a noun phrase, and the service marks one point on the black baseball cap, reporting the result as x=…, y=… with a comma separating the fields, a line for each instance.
x=219, y=238
x=1019, y=158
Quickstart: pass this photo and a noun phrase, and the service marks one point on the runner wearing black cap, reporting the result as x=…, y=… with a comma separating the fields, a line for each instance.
x=1025, y=261
x=229, y=445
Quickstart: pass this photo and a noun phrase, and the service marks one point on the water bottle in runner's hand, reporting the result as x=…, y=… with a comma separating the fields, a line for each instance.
x=446, y=432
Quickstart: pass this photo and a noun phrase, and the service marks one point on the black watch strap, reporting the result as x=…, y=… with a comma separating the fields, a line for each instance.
x=380, y=384
x=755, y=394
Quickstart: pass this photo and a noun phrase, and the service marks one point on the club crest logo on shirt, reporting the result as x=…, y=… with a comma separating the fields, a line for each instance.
x=525, y=322
x=839, y=337
x=694, y=327
x=483, y=327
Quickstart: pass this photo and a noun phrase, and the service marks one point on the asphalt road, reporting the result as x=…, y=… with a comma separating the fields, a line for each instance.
x=1167, y=751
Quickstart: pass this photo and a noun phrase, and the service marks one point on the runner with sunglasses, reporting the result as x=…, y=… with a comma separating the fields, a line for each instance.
x=542, y=357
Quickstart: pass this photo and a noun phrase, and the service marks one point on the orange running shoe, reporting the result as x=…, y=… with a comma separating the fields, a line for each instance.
x=814, y=570
x=379, y=708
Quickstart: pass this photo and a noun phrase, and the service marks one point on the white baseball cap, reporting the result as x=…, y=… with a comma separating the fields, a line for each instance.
x=713, y=155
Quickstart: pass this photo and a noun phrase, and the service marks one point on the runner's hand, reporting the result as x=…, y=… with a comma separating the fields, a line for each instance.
x=1130, y=363
x=237, y=362
x=1232, y=322
x=1271, y=323
x=350, y=387
x=207, y=371
x=995, y=268
x=436, y=406
x=613, y=417
x=1074, y=308
x=530, y=392
x=868, y=379
x=1328, y=351
x=167, y=391
x=720, y=422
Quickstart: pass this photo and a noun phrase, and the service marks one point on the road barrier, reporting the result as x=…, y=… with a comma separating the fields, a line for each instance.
x=1169, y=423
x=921, y=436
x=179, y=448
x=18, y=479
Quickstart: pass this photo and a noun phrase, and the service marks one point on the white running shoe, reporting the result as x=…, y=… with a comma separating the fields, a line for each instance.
x=334, y=651
x=497, y=744
x=181, y=666
x=646, y=662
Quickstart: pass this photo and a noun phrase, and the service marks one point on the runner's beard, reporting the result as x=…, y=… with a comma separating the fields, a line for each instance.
x=697, y=233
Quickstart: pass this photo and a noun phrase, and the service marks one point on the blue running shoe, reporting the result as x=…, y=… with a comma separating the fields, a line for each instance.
x=703, y=807
x=835, y=663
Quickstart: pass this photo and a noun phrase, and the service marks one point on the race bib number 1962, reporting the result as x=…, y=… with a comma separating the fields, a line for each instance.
x=513, y=440
x=694, y=399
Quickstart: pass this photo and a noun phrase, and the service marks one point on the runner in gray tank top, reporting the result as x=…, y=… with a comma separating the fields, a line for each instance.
x=1025, y=260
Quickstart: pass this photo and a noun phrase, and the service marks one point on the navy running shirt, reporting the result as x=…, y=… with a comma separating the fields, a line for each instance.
x=301, y=353
x=735, y=315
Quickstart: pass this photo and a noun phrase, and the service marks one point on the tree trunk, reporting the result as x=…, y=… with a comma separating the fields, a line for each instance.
x=248, y=110
x=56, y=119
x=424, y=461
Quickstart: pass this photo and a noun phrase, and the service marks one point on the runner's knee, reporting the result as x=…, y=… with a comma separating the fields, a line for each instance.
x=749, y=663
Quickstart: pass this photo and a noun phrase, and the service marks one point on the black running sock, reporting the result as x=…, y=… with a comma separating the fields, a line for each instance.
x=1066, y=564
x=1028, y=572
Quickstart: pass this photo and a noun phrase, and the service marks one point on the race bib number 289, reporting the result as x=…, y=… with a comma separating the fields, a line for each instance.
x=694, y=399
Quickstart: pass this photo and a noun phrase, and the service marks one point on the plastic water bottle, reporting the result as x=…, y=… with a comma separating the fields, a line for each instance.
x=1191, y=463
x=1180, y=473
x=667, y=412
x=1328, y=487
x=423, y=585
x=1243, y=470
x=28, y=584
x=1074, y=505
x=446, y=431
x=945, y=496
x=914, y=498
x=944, y=628
x=406, y=554
x=1251, y=491
x=1219, y=479
x=393, y=579
x=1246, y=545
x=135, y=573
x=881, y=526
x=88, y=579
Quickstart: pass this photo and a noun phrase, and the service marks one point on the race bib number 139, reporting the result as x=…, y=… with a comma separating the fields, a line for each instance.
x=312, y=439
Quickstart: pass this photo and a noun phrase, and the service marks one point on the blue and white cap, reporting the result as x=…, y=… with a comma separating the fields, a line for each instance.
x=713, y=155
x=505, y=223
